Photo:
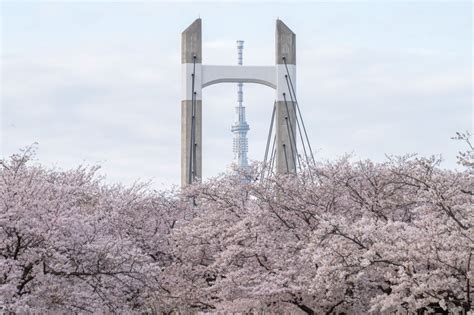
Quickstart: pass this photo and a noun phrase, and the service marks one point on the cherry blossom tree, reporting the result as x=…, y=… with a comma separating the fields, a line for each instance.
x=70, y=243
x=338, y=237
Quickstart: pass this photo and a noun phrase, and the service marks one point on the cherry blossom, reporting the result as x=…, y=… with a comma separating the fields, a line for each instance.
x=340, y=236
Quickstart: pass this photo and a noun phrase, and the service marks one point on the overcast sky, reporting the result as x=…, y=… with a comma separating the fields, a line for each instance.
x=99, y=82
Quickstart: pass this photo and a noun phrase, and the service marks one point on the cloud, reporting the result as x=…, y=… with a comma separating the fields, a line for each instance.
x=119, y=104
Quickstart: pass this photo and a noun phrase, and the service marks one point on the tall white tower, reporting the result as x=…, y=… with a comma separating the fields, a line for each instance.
x=240, y=126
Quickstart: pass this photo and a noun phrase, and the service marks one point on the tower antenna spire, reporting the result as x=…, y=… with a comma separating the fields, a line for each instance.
x=240, y=126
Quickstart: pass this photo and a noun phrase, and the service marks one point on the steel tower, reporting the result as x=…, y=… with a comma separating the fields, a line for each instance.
x=240, y=126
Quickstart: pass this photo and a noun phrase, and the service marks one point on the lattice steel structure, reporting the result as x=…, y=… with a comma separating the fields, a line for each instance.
x=240, y=126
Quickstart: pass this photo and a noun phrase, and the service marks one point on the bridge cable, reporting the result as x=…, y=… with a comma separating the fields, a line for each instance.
x=195, y=142
x=291, y=146
x=272, y=160
x=192, y=141
x=297, y=121
x=298, y=107
x=268, y=140
x=286, y=159
x=291, y=135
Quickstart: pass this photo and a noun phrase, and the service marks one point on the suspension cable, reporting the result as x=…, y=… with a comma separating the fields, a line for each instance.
x=286, y=159
x=292, y=135
x=299, y=129
x=268, y=139
x=192, y=141
x=297, y=121
x=272, y=159
x=195, y=141
x=299, y=111
x=289, y=138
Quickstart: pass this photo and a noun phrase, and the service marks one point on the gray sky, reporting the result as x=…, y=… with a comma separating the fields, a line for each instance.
x=99, y=82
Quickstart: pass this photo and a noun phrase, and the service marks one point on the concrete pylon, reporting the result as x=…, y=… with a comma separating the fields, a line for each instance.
x=196, y=76
x=285, y=115
x=191, y=116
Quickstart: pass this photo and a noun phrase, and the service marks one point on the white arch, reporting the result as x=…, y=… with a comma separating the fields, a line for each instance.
x=230, y=80
x=265, y=75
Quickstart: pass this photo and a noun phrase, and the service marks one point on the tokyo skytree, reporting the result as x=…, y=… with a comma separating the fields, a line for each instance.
x=240, y=126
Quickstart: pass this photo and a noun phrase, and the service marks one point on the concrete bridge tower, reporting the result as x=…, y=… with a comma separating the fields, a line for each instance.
x=196, y=76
